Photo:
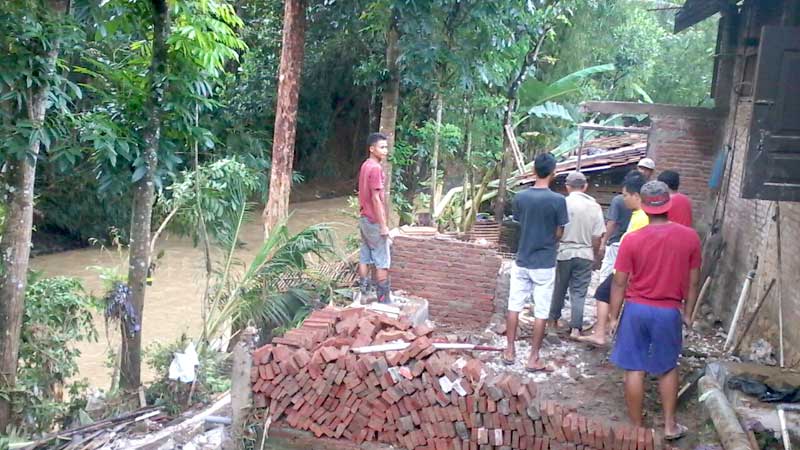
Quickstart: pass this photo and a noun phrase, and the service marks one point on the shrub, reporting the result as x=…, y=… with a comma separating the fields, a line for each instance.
x=58, y=313
x=211, y=377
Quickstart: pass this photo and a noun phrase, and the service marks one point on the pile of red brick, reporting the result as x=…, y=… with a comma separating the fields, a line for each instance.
x=418, y=398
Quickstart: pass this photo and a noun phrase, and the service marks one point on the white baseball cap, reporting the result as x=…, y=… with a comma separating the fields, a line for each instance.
x=647, y=163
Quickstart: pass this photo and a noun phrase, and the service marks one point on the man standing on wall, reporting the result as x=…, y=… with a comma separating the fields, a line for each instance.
x=681, y=211
x=372, y=224
x=657, y=267
x=542, y=215
x=578, y=252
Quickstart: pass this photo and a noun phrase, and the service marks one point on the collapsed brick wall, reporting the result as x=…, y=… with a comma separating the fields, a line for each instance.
x=419, y=398
x=457, y=278
x=687, y=145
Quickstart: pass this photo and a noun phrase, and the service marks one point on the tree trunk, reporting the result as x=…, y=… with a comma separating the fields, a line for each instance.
x=469, y=219
x=437, y=135
x=15, y=246
x=468, y=189
x=143, y=197
x=513, y=91
x=389, y=101
x=505, y=165
x=289, y=73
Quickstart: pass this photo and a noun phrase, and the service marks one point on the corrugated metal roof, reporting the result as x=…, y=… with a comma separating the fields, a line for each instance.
x=602, y=154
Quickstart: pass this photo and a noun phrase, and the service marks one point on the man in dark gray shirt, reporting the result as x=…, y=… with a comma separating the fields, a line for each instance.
x=542, y=215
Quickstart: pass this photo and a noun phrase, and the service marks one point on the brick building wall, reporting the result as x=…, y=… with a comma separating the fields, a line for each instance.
x=749, y=232
x=749, y=229
x=457, y=278
x=687, y=143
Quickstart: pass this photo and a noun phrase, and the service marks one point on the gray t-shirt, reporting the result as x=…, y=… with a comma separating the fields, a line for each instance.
x=617, y=212
x=540, y=212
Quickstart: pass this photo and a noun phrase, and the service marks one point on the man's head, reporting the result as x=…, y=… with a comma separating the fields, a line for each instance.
x=671, y=178
x=646, y=167
x=378, y=145
x=544, y=166
x=655, y=199
x=631, y=188
x=576, y=182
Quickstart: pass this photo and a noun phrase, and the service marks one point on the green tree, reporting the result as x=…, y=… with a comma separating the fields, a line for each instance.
x=183, y=49
x=32, y=35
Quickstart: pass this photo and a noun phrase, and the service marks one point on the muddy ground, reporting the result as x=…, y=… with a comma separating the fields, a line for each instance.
x=585, y=379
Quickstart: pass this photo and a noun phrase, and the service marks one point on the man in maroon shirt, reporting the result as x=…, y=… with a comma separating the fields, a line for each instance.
x=681, y=210
x=657, y=267
x=372, y=224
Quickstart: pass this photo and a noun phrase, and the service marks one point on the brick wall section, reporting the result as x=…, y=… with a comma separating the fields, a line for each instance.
x=749, y=231
x=457, y=278
x=688, y=146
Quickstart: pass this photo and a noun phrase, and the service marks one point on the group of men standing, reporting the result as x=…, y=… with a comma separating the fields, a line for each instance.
x=648, y=256
x=646, y=251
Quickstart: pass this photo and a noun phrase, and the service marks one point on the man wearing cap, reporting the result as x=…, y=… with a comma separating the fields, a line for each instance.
x=657, y=267
x=646, y=167
x=578, y=251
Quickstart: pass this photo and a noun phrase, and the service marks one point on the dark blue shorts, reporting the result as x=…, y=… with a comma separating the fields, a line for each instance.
x=649, y=339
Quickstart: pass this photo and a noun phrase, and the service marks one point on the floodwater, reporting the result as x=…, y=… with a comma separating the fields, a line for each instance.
x=172, y=303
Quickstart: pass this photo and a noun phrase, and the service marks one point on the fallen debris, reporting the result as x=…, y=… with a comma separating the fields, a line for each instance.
x=417, y=397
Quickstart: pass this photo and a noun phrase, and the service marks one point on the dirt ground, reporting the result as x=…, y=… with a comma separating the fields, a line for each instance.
x=585, y=379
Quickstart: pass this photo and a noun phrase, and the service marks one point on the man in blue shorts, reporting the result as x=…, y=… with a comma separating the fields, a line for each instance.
x=657, y=267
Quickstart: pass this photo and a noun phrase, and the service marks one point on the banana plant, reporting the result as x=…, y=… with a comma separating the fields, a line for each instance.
x=537, y=97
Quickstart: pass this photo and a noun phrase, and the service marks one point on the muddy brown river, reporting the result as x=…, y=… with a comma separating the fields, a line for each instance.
x=172, y=303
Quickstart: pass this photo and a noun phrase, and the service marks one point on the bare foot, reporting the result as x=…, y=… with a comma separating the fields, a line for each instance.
x=594, y=340
x=575, y=333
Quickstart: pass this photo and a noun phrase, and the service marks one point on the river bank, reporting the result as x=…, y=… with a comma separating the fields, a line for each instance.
x=172, y=306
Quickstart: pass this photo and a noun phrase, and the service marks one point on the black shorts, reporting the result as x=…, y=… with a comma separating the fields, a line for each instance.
x=603, y=292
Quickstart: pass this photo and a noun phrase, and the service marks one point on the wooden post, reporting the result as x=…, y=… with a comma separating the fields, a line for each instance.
x=241, y=392
x=726, y=423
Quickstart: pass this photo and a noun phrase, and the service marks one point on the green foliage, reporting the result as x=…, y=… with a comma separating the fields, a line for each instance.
x=256, y=295
x=226, y=186
x=29, y=32
x=58, y=314
x=653, y=64
x=212, y=377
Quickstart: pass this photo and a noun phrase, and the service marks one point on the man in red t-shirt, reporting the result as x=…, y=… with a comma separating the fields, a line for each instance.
x=372, y=224
x=681, y=209
x=657, y=267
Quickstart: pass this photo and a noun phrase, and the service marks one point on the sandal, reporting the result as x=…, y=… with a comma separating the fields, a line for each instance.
x=682, y=430
x=544, y=369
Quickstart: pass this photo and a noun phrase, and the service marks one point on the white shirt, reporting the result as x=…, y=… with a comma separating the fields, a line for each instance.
x=585, y=222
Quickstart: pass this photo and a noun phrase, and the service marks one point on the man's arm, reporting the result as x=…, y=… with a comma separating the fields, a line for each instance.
x=618, y=286
x=380, y=210
x=691, y=296
x=559, y=232
x=611, y=228
x=597, y=246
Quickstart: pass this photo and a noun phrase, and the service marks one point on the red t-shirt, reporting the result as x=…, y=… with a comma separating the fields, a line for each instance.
x=657, y=259
x=681, y=210
x=370, y=182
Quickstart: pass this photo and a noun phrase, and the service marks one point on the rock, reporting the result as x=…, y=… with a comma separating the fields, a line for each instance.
x=169, y=445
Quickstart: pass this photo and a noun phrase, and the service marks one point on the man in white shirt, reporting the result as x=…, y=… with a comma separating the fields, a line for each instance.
x=578, y=251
